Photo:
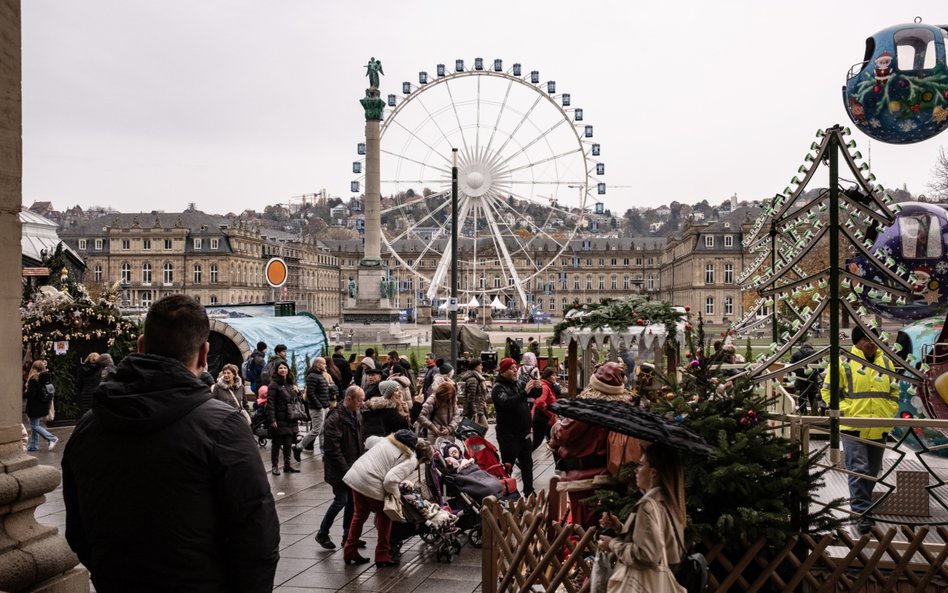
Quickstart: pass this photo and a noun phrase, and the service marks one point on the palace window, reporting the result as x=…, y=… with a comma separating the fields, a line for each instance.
x=145, y=298
x=728, y=241
x=709, y=306
x=146, y=273
x=97, y=273
x=126, y=273
x=167, y=244
x=197, y=273
x=729, y=273
x=198, y=243
x=146, y=244
x=213, y=273
x=728, y=305
x=126, y=244
x=709, y=240
x=709, y=274
x=98, y=244
x=83, y=244
x=168, y=273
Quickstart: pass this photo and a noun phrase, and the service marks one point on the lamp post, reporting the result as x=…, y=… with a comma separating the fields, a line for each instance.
x=453, y=303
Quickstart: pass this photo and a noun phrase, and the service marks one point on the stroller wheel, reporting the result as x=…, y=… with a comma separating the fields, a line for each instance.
x=455, y=545
x=429, y=537
x=475, y=537
x=262, y=441
x=445, y=555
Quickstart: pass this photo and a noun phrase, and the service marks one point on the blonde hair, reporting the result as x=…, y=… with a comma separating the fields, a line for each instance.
x=36, y=368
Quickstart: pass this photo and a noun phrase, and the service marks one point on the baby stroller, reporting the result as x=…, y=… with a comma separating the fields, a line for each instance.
x=485, y=454
x=259, y=425
x=433, y=523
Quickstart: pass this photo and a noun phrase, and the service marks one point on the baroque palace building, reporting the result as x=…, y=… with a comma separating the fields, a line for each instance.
x=212, y=258
x=220, y=261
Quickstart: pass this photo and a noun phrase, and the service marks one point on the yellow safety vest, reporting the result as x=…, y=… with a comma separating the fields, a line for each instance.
x=865, y=392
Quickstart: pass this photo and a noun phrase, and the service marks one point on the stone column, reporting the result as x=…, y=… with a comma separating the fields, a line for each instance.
x=33, y=557
x=373, y=192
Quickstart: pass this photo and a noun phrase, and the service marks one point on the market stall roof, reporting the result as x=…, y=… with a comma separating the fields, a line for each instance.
x=496, y=304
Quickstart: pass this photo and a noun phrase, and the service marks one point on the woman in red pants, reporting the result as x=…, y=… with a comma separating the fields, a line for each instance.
x=387, y=463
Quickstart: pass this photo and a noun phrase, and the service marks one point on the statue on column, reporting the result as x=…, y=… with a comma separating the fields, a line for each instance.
x=353, y=289
x=386, y=287
x=372, y=70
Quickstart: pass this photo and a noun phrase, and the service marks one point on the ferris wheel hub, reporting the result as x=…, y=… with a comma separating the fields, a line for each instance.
x=474, y=180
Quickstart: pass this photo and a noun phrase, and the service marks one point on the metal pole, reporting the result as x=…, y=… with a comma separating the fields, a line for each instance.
x=774, y=324
x=452, y=311
x=833, y=361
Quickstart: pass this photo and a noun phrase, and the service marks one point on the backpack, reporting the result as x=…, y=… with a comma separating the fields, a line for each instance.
x=267, y=373
x=49, y=390
x=249, y=368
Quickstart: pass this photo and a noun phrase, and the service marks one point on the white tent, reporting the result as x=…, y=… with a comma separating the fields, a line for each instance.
x=474, y=302
x=496, y=304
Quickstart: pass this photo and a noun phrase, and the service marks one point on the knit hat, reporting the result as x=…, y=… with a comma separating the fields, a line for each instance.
x=505, y=365
x=445, y=369
x=406, y=437
x=607, y=384
x=387, y=388
x=858, y=334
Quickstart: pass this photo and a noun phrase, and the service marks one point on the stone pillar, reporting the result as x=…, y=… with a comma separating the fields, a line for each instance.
x=373, y=192
x=33, y=557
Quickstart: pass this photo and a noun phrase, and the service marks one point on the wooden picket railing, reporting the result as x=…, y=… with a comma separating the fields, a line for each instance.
x=527, y=549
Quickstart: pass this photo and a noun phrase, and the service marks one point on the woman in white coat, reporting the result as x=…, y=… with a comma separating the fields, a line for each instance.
x=387, y=463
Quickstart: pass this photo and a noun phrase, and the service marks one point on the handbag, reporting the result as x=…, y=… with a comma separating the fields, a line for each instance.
x=692, y=572
x=296, y=410
x=393, y=508
x=243, y=412
x=52, y=412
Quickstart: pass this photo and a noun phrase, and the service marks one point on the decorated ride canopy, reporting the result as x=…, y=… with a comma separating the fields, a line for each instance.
x=635, y=321
x=899, y=92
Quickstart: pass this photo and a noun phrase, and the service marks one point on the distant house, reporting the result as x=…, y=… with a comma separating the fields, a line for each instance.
x=663, y=212
x=339, y=211
x=655, y=227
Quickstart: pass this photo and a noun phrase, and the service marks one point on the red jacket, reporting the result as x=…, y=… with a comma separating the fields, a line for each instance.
x=546, y=399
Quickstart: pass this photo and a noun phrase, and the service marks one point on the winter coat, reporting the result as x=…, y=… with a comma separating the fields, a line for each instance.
x=381, y=417
x=372, y=391
x=475, y=394
x=807, y=381
x=232, y=395
x=430, y=373
x=345, y=373
x=87, y=381
x=514, y=351
x=385, y=464
x=317, y=390
x=164, y=488
x=546, y=399
x=865, y=392
x=437, y=415
x=37, y=401
x=513, y=411
x=342, y=434
x=279, y=396
x=648, y=533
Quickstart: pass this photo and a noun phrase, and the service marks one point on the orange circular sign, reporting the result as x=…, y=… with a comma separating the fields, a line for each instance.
x=276, y=272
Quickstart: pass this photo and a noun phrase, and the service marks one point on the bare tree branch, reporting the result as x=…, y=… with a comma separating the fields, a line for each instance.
x=938, y=186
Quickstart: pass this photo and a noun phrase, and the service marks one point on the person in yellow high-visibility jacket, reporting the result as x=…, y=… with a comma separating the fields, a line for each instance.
x=864, y=392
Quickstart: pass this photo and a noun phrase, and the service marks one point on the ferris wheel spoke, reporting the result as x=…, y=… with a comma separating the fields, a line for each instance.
x=477, y=127
x=559, y=209
x=423, y=219
x=421, y=140
x=512, y=232
x=434, y=120
x=538, y=229
x=543, y=135
x=522, y=121
x=457, y=117
x=541, y=161
x=492, y=222
x=416, y=161
x=500, y=113
x=419, y=200
x=437, y=279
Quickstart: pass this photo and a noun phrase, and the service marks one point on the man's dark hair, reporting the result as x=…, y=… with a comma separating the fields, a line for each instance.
x=393, y=354
x=280, y=348
x=261, y=346
x=370, y=352
x=337, y=349
x=176, y=326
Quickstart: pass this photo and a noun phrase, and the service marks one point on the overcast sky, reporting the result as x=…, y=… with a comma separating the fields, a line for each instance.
x=235, y=104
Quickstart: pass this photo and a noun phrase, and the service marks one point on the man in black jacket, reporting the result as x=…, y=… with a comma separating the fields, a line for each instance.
x=343, y=431
x=513, y=422
x=163, y=484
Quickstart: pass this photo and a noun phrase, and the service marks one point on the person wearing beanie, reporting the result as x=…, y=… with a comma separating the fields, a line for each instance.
x=387, y=462
x=582, y=447
x=385, y=414
x=864, y=392
x=445, y=375
x=513, y=422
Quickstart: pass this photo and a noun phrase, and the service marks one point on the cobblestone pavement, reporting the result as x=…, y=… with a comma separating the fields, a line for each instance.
x=301, y=501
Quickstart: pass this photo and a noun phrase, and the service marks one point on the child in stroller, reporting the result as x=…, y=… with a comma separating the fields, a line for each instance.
x=258, y=421
x=433, y=523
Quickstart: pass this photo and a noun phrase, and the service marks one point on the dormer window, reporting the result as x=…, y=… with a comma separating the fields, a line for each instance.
x=198, y=243
x=709, y=240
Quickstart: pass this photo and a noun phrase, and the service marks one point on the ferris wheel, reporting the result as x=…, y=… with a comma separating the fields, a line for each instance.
x=527, y=165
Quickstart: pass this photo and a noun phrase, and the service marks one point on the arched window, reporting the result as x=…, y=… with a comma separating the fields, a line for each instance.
x=126, y=273
x=97, y=273
x=167, y=275
x=146, y=274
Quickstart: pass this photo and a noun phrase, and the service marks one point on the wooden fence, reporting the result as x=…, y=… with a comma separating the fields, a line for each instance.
x=526, y=549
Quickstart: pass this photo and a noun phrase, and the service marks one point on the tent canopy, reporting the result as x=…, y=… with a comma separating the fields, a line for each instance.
x=302, y=334
x=470, y=339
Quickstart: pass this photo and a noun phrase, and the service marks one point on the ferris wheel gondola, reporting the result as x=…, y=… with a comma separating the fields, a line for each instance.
x=527, y=163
